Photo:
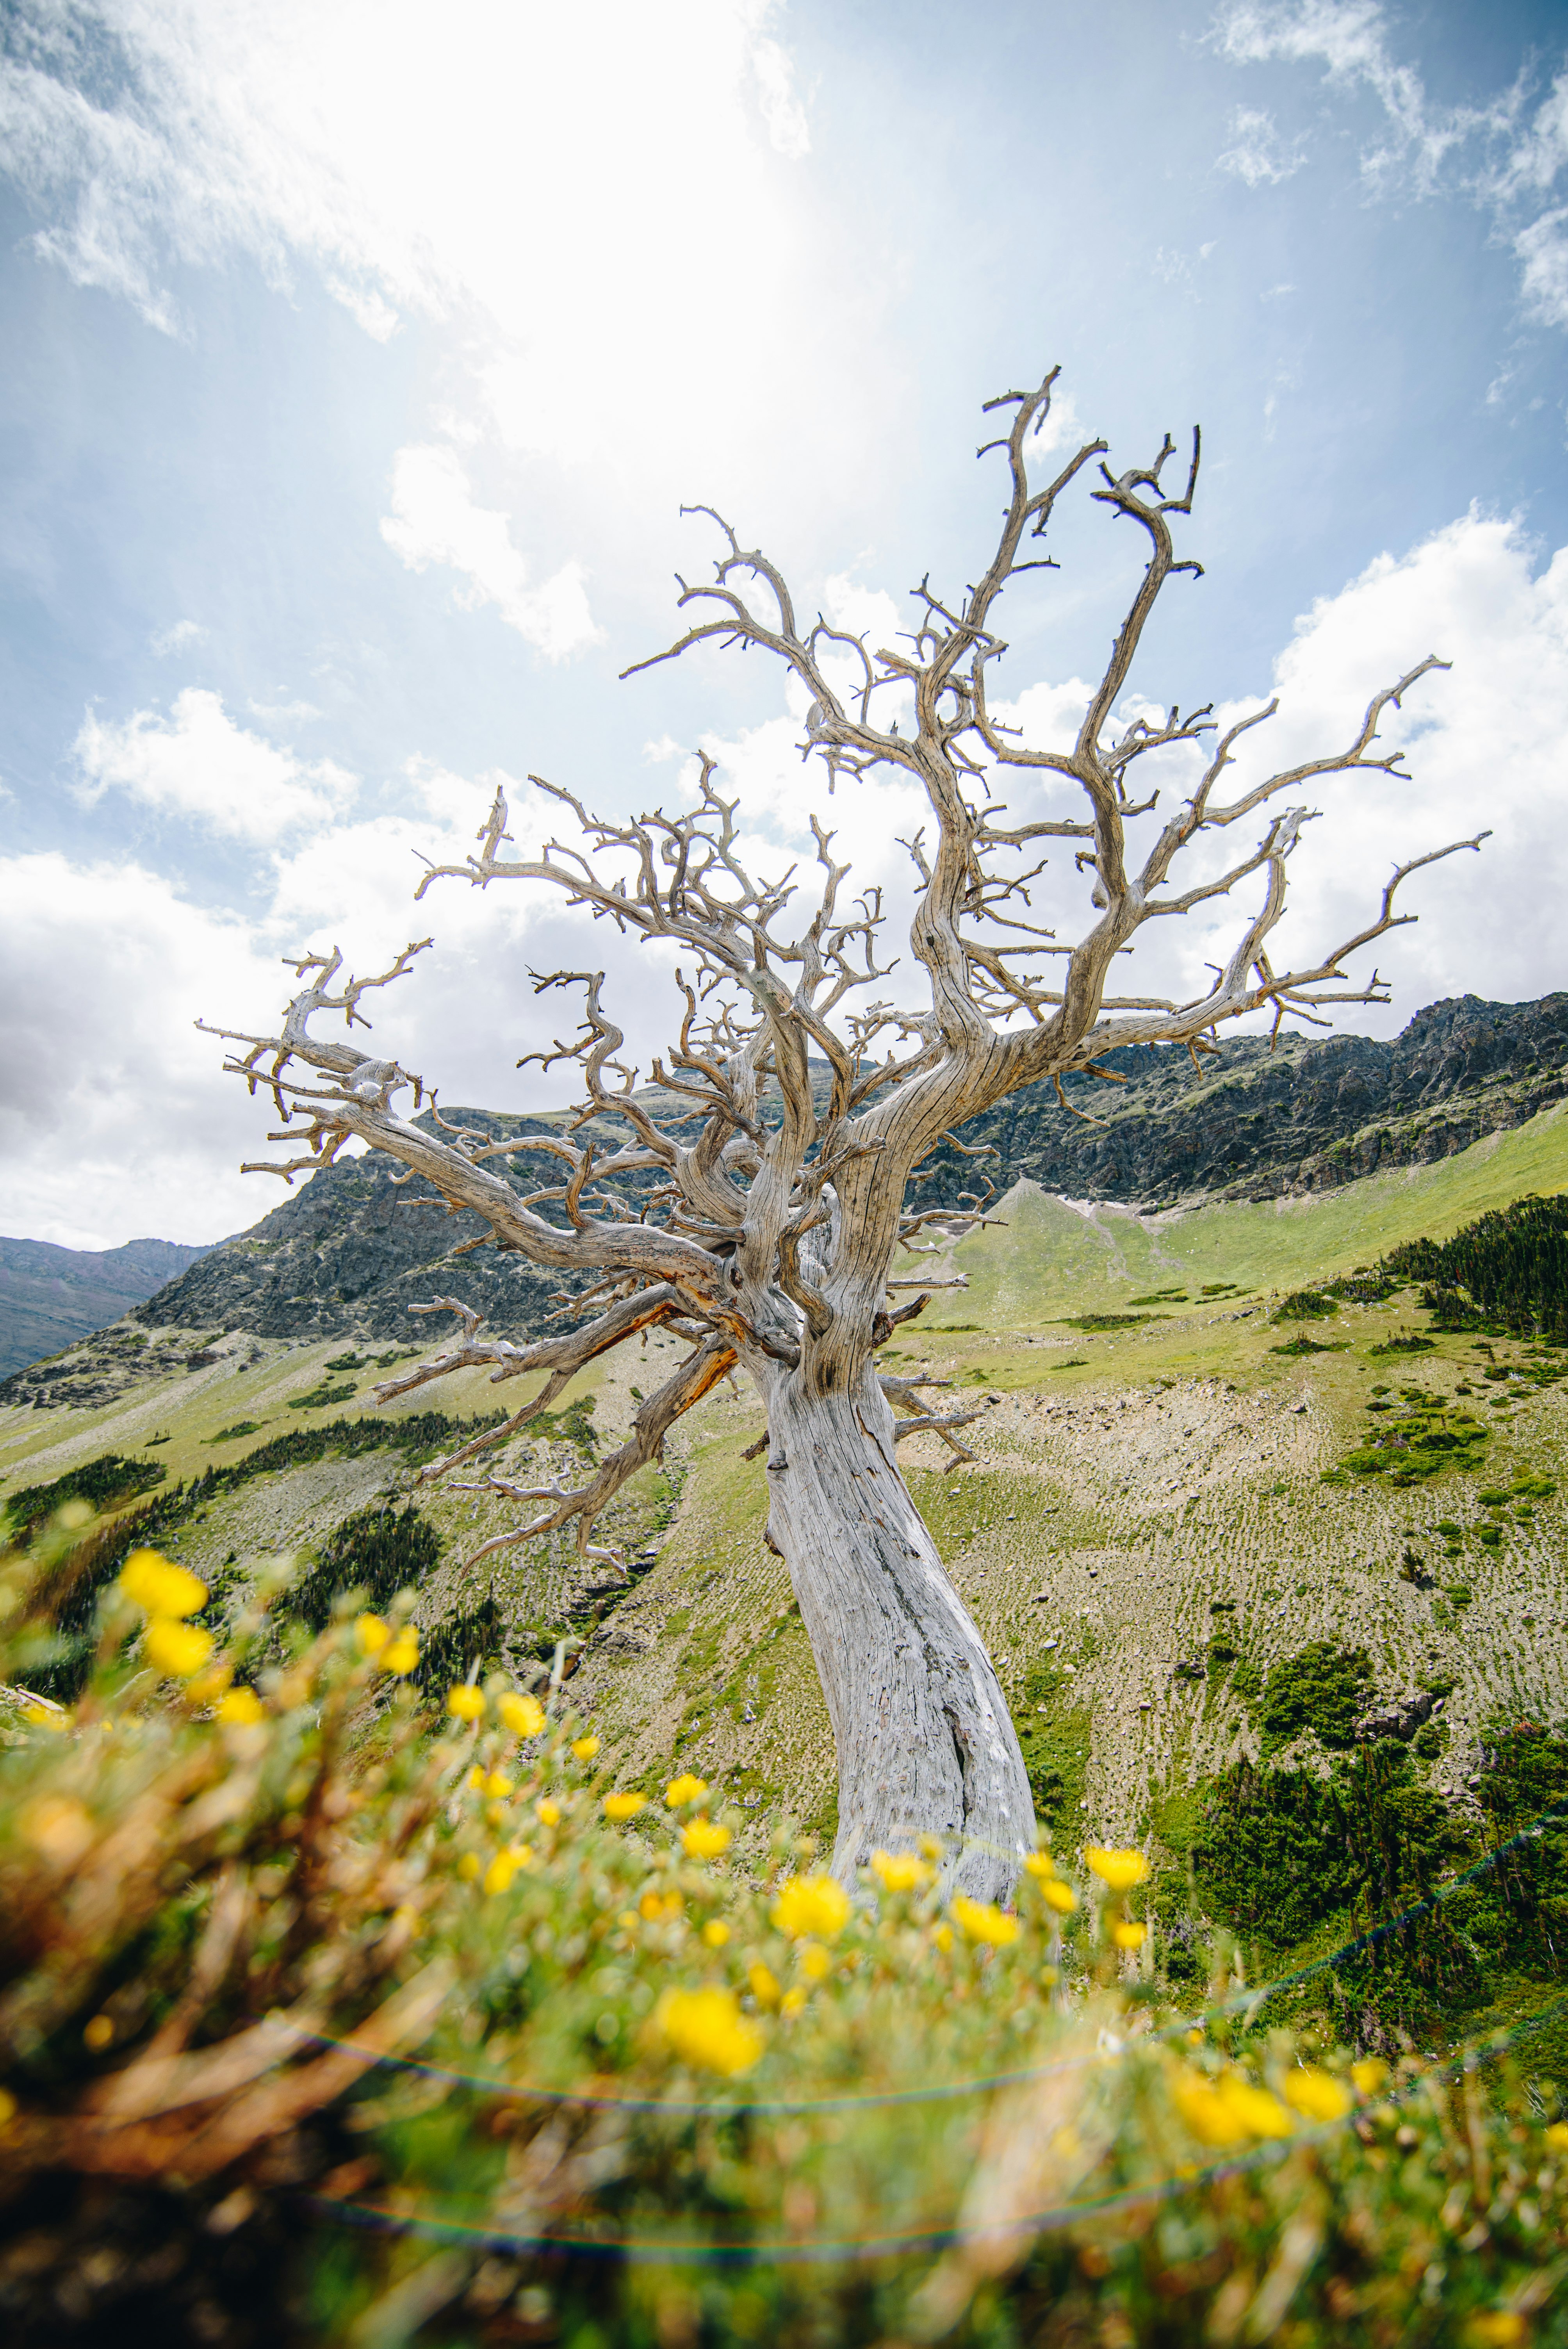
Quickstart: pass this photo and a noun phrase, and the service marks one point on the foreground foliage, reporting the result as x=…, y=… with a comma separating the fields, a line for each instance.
x=317, y=2024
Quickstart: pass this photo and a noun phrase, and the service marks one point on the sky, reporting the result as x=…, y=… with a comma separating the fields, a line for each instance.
x=357, y=359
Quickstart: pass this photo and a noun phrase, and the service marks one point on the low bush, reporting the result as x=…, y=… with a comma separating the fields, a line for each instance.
x=320, y=2024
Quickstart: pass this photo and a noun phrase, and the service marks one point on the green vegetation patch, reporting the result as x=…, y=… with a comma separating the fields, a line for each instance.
x=1305, y=1305
x=1509, y=1268
x=376, y=1551
x=1055, y=1735
x=104, y=1482
x=1322, y=1687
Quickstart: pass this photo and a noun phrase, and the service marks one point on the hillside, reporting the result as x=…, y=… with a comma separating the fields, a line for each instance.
x=51, y=1296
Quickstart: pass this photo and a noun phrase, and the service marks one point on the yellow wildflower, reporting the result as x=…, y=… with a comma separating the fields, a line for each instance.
x=811, y=1905
x=624, y=1807
x=815, y=1962
x=899, y=1871
x=585, y=1748
x=1229, y=2110
x=792, y=2001
x=58, y=1828
x=505, y=1864
x=159, y=1587
x=47, y=1716
x=469, y=1867
x=242, y=1707
x=1499, y=2328
x=943, y=1937
x=1041, y=1865
x=983, y=1922
x=476, y=1777
x=523, y=1715
x=715, y=1933
x=1059, y=1897
x=466, y=1703
x=1317, y=2096
x=500, y=1785
x=548, y=1812
x=1119, y=1871
x=400, y=1656
x=1371, y=2071
x=209, y=1686
x=98, y=2034
x=1556, y=2136
x=1127, y=1934
x=704, y=1840
x=705, y=2027
x=764, y=1985
x=372, y=1633
x=178, y=1649
x=684, y=1789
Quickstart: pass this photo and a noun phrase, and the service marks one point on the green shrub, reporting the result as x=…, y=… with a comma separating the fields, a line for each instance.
x=1305, y=1305
x=376, y=1551
x=105, y=1483
x=1321, y=1688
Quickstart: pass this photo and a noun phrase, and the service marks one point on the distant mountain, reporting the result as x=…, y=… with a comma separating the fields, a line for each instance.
x=50, y=1295
x=348, y=1253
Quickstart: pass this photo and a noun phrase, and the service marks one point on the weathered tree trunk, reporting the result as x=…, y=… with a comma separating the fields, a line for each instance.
x=926, y=1743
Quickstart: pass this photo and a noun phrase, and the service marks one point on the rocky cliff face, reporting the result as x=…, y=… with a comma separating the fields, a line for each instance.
x=1248, y=1123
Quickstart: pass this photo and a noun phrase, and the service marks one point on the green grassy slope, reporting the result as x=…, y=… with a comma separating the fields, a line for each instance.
x=1053, y=1259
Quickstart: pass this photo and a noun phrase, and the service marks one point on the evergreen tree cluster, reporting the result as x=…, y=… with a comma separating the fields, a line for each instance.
x=1510, y=1267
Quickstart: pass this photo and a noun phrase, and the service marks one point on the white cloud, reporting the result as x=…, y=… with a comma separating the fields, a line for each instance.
x=1504, y=159
x=198, y=763
x=1542, y=248
x=435, y=520
x=175, y=638
x=1257, y=153
x=788, y=126
x=113, y=1122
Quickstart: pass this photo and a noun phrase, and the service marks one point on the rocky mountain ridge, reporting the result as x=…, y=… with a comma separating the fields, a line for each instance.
x=50, y=1295
x=351, y=1250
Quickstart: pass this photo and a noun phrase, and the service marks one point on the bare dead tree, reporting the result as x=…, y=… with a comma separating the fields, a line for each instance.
x=765, y=1216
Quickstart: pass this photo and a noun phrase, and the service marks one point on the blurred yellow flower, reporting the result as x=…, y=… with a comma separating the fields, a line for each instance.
x=1060, y=1897
x=585, y=1748
x=792, y=2001
x=655, y=1906
x=549, y=1812
x=624, y=1807
x=47, y=1716
x=899, y=1871
x=500, y=1785
x=1317, y=2094
x=764, y=1985
x=715, y=1933
x=400, y=1656
x=1127, y=1934
x=1499, y=2328
x=466, y=1703
x=684, y=1789
x=157, y=1586
x=811, y=1904
x=57, y=1826
x=505, y=1864
x=1118, y=1870
x=983, y=1922
x=476, y=1777
x=7, y=2109
x=241, y=1706
x=372, y=1633
x=1229, y=2110
x=98, y=2034
x=932, y=1845
x=943, y=1937
x=469, y=1867
x=523, y=1715
x=1371, y=2071
x=705, y=2027
x=178, y=1649
x=1041, y=1865
x=209, y=1686
x=815, y=1962
x=1556, y=2136
x=703, y=1839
